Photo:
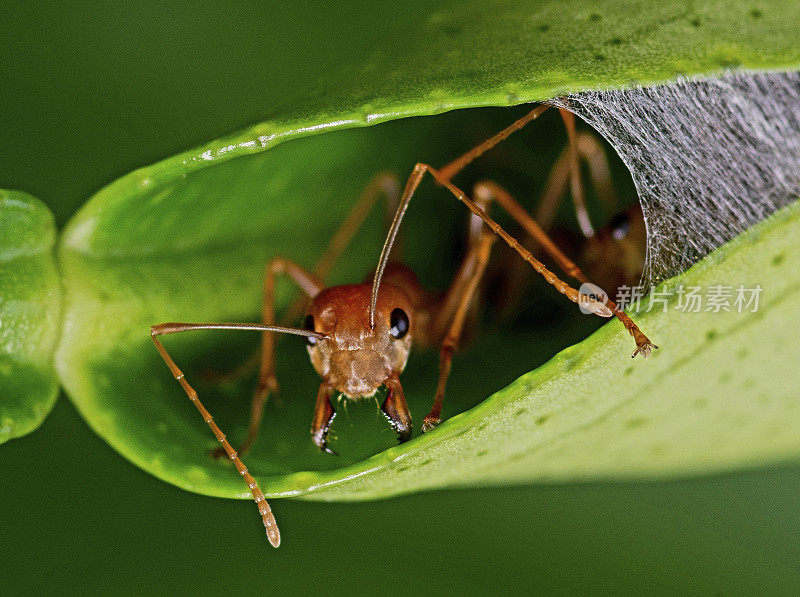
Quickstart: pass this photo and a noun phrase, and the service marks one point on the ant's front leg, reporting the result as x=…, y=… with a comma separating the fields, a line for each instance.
x=396, y=409
x=323, y=416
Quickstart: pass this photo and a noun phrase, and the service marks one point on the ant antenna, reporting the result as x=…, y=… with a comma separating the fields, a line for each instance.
x=386, y=251
x=172, y=328
x=273, y=534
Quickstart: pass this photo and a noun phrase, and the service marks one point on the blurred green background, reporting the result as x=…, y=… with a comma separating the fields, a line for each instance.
x=90, y=92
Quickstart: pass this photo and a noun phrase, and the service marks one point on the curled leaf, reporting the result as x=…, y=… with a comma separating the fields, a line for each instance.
x=186, y=239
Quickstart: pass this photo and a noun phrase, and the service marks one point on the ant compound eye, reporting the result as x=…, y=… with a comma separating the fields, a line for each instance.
x=399, y=324
x=308, y=324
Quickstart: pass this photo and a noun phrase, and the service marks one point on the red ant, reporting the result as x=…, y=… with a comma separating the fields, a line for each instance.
x=614, y=254
x=359, y=335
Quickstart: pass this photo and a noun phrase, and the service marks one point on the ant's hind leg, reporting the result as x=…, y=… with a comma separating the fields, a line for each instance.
x=384, y=184
x=591, y=153
x=211, y=375
x=585, y=301
x=457, y=165
x=575, y=183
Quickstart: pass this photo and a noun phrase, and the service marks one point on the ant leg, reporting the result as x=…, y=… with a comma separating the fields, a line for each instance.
x=575, y=183
x=267, y=382
x=594, y=156
x=323, y=416
x=463, y=289
x=383, y=183
x=452, y=298
x=273, y=534
x=591, y=153
x=515, y=272
x=396, y=409
x=488, y=190
x=226, y=377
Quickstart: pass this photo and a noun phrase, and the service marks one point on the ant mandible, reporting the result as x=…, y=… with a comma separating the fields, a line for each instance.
x=359, y=335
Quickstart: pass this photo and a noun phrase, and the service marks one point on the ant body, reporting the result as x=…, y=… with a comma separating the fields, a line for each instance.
x=359, y=335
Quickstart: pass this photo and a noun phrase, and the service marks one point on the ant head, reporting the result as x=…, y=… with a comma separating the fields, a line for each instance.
x=355, y=358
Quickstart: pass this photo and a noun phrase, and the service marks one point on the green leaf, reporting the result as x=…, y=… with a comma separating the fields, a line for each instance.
x=500, y=53
x=30, y=298
x=186, y=239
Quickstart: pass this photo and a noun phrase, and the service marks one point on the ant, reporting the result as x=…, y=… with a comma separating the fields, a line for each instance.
x=614, y=254
x=359, y=335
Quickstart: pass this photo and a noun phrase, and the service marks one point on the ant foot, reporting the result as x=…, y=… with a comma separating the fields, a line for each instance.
x=644, y=348
x=429, y=423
